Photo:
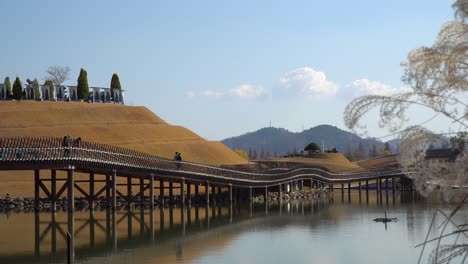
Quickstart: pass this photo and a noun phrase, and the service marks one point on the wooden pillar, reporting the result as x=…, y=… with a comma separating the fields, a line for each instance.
x=213, y=194
x=171, y=192
x=279, y=191
x=359, y=191
x=219, y=193
x=70, y=189
x=266, y=194
x=114, y=190
x=36, y=190
x=142, y=191
x=161, y=192
x=151, y=200
x=207, y=193
x=250, y=194
x=311, y=184
x=53, y=187
x=386, y=185
x=393, y=184
x=91, y=191
x=230, y=193
x=349, y=192
x=182, y=193
x=129, y=191
x=189, y=195
x=196, y=192
x=108, y=186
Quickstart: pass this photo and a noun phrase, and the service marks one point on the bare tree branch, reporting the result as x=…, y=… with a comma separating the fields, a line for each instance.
x=58, y=74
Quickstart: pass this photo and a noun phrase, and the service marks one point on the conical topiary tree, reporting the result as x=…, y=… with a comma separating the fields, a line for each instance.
x=37, y=93
x=51, y=89
x=82, y=87
x=17, y=89
x=7, y=83
x=115, y=84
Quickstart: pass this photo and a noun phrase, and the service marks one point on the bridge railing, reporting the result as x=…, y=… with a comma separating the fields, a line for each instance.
x=33, y=150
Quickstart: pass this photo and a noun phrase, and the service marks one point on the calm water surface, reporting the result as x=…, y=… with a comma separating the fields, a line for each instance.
x=335, y=230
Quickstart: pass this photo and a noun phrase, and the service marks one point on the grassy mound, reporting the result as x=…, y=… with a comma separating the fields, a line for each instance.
x=133, y=127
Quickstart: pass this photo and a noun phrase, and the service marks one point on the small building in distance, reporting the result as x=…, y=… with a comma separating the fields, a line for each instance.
x=68, y=93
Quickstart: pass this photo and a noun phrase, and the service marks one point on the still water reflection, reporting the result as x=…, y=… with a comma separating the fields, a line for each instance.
x=338, y=230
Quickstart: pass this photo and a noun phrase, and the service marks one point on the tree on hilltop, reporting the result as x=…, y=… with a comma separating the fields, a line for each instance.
x=17, y=89
x=37, y=93
x=8, y=87
x=312, y=147
x=82, y=87
x=51, y=88
x=115, y=84
x=58, y=74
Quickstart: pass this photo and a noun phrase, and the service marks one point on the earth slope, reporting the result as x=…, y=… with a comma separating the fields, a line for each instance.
x=134, y=127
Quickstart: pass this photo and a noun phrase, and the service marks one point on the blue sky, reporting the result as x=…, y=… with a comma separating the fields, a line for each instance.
x=225, y=68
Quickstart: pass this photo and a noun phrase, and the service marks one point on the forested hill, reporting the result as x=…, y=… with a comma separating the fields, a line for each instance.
x=282, y=141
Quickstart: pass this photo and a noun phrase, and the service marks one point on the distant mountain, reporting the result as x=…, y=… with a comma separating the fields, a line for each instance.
x=282, y=141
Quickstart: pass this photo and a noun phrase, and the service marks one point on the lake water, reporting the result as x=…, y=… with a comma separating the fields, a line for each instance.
x=335, y=230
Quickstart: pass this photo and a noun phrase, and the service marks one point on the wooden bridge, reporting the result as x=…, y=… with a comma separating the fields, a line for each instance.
x=109, y=162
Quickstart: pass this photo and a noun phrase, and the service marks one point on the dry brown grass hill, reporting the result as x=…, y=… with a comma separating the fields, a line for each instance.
x=133, y=127
x=334, y=162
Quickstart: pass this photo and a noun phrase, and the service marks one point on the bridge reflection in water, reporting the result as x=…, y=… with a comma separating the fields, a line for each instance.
x=100, y=234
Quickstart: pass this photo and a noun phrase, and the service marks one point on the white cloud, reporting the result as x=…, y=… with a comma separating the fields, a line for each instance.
x=210, y=93
x=190, y=94
x=365, y=87
x=306, y=82
x=247, y=91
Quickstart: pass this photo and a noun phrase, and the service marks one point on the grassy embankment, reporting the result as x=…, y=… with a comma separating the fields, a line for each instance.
x=134, y=127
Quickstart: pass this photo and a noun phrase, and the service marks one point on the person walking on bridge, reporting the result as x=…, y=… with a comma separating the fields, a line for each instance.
x=179, y=159
x=66, y=145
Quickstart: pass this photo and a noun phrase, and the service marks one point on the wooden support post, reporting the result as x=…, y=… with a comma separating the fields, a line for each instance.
x=230, y=193
x=151, y=200
x=70, y=189
x=380, y=190
x=302, y=185
x=37, y=180
x=189, y=195
x=129, y=191
x=349, y=192
x=91, y=191
x=207, y=193
x=197, y=198
x=311, y=184
x=214, y=196
x=161, y=192
x=171, y=192
x=359, y=191
x=142, y=191
x=53, y=186
x=393, y=184
x=279, y=192
x=108, y=186
x=114, y=190
x=219, y=193
x=386, y=185
x=266, y=194
x=182, y=193
x=250, y=194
